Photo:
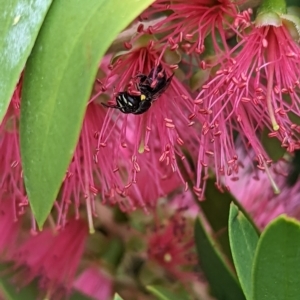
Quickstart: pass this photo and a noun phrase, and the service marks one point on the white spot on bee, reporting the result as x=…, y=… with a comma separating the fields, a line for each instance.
x=119, y=103
x=124, y=99
x=130, y=104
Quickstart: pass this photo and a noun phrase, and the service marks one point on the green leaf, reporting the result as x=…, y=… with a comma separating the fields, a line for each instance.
x=164, y=294
x=198, y=79
x=272, y=146
x=79, y=296
x=294, y=169
x=222, y=281
x=117, y=297
x=215, y=207
x=272, y=6
x=277, y=261
x=216, y=210
x=114, y=253
x=57, y=84
x=11, y=292
x=243, y=241
x=20, y=23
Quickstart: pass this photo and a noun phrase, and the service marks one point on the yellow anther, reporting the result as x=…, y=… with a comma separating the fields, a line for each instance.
x=167, y=257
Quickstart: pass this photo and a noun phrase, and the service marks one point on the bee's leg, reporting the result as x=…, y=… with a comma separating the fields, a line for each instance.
x=142, y=77
x=143, y=88
x=153, y=73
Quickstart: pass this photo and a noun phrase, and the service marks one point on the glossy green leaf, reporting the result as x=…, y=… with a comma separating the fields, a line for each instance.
x=216, y=210
x=57, y=84
x=243, y=241
x=117, y=297
x=20, y=23
x=164, y=294
x=277, y=262
x=223, y=283
x=215, y=207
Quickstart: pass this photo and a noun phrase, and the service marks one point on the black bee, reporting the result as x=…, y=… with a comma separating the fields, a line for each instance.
x=151, y=88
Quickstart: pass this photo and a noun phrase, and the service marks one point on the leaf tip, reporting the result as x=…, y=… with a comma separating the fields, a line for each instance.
x=39, y=219
x=234, y=211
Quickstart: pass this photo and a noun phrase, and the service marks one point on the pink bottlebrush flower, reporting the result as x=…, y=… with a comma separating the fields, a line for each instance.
x=9, y=227
x=257, y=88
x=218, y=139
x=185, y=202
x=94, y=283
x=263, y=76
x=11, y=182
x=153, y=182
x=89, y=174
x=190, y=22
x=105, y=172
x=170, y=245
x=86, y=176
x=51, y=258
x=155, y=137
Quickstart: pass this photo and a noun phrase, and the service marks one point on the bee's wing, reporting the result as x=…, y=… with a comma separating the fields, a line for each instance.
x=160, y=90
